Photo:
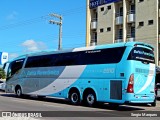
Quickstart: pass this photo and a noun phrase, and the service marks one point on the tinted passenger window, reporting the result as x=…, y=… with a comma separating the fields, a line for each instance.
x=101, y=56
x=104, y=56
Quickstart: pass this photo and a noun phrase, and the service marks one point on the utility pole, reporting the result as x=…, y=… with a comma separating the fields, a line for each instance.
x=60, y=28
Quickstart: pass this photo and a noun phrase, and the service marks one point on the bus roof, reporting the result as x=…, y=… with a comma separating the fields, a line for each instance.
x=139, y=44
x=132, y=44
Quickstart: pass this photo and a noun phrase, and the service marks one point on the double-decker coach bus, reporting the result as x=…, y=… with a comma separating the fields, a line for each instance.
x=116, y=73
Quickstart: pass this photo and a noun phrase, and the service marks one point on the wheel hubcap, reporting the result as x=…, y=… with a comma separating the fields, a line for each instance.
x=74, y=97
x=18, y=92
x=90, y=99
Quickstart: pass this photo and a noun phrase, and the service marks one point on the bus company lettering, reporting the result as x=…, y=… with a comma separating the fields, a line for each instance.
x=109, y=70
x=43, y=73
x=105, y=70
x=143, y=53
x=93, y=51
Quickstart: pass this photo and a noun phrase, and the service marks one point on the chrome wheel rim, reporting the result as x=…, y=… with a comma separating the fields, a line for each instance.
x=19, y=92
x=90, y=99
x=74, y=97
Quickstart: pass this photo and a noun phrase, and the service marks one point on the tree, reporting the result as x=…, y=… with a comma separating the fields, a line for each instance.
x=2, y=74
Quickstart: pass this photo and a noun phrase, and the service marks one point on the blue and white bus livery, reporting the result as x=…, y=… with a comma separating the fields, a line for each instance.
x=117, y=73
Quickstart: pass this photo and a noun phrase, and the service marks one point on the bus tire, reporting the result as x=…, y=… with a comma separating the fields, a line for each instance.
x=19, y=92
x=74, y=97
x=153, y=103
x=90, y=98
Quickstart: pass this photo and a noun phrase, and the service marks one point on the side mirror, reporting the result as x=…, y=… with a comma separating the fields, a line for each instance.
x=4, y=66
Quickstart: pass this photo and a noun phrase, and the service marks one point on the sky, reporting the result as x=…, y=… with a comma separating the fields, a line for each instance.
x=25, y=28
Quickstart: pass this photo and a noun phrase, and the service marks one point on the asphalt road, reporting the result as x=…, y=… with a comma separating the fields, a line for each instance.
x=62, y=110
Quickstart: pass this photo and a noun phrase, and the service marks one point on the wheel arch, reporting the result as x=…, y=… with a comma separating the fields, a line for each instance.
x=73, y=89
x=16, y=87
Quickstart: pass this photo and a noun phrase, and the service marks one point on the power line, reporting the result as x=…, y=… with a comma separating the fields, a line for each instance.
x=22, y=23
x=39, y=19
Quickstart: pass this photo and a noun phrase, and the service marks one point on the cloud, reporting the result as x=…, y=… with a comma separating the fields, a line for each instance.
x=13, y=55
x=12, y=16
x=32, y=46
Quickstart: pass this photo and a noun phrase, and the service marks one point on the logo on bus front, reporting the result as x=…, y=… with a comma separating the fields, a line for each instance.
x=4, y=56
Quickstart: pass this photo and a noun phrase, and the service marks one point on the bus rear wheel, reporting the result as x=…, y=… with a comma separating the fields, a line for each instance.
x=154, y=103
x=18, y=92
x=90, y=99
x=74, y=97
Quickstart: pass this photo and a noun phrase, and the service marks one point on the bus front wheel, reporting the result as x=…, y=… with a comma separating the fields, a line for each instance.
x=18, y=92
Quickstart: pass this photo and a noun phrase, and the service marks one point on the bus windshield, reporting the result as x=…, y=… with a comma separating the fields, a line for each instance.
x=14, y=67
x=142, y=54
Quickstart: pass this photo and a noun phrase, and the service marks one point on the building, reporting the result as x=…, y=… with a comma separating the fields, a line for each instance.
x=112, y=21
x=3, y=57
